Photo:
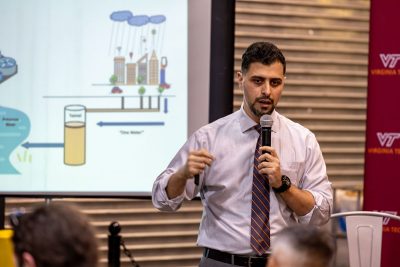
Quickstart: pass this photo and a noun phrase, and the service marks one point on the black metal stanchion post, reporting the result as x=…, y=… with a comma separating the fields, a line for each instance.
x=114, y=245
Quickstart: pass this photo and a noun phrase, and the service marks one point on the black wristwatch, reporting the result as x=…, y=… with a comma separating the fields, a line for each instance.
x=286, y=183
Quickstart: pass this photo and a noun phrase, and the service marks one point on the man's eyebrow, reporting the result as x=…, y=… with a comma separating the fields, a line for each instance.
x=265, y=78
x=258, y=77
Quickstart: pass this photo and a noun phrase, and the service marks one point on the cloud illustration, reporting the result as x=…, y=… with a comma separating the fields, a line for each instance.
x=139, y=20
x=157, y=19
x=122, y=15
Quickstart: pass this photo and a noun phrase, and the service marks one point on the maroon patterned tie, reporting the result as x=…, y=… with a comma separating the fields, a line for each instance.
x=260, y=231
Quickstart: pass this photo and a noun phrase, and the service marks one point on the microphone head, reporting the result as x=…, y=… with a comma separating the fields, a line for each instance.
x=266, y=121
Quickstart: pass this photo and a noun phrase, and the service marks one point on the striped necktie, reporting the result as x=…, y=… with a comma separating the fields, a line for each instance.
x=260, y=231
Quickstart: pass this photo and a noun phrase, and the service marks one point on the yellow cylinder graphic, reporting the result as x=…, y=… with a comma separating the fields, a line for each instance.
x=74, y=135
x=6, y=249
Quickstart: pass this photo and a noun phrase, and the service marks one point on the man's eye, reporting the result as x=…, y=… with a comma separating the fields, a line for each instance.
x=275, y=82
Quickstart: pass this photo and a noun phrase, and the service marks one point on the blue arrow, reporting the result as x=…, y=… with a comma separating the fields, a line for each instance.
x=165, y=105
x=155, y=123
x=28, y=145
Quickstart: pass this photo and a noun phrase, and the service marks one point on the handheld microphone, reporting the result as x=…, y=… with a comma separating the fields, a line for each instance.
x=266, y=125
x=196, y=179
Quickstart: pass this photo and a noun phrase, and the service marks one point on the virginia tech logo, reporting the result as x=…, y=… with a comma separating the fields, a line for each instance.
x=389, y=60
x=386, y=220
x=387, y=139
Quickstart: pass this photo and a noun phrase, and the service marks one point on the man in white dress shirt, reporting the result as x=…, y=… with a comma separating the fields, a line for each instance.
x=222, y=154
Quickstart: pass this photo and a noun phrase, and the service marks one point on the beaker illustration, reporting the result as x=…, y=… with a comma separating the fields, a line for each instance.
x=74, y=135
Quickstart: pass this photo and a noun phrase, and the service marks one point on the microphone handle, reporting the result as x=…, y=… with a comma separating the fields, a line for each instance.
x=266, y=137
x=196, y=179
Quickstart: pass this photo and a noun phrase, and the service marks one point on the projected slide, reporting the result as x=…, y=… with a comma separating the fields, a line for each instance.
x=93, y=94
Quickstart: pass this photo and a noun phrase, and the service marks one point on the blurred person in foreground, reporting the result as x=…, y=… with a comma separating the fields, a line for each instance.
x=54, y=235
x=303, y=246
x=249, y=192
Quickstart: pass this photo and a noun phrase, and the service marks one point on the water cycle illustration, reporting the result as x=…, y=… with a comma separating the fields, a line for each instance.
x=95, y=99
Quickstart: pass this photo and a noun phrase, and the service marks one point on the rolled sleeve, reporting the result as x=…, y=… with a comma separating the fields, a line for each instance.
x=159, y=195
x=321, y=211
x=316, y=182
x=160, y=198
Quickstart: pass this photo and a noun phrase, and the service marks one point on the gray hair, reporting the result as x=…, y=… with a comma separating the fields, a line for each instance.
x=304, y=246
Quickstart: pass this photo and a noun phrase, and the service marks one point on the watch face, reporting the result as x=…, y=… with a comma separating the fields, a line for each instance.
x=286, y=183
x=286, y=180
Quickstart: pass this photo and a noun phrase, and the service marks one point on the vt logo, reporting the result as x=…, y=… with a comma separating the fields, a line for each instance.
x=387, y=218
x=389, y=60
x=387, y=139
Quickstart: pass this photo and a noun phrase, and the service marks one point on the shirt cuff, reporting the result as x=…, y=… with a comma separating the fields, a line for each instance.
x=305, y=219
x=173, y=203
x=316, y=215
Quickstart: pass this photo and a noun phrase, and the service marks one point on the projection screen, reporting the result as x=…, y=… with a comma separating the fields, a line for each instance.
x=95, y=96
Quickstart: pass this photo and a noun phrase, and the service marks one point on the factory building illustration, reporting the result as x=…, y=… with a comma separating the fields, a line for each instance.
x=136, y=45
x=148, y=70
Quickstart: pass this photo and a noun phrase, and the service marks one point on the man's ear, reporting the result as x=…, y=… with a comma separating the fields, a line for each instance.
x=239, y=76
x=28, y=260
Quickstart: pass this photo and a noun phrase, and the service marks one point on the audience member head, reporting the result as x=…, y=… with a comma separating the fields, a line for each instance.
x=262, y=52
x=55, y=235
x=302, y=246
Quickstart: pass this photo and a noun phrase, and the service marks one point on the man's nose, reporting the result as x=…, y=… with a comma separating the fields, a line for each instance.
x=266, y=89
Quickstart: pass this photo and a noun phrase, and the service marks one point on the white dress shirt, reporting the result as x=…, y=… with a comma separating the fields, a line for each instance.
x=226, y=186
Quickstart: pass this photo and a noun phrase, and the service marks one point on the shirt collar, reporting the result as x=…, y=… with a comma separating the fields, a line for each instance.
x=246, y=123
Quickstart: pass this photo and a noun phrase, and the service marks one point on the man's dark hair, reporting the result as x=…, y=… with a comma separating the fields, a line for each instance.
x=56, y=235
x=262, y=52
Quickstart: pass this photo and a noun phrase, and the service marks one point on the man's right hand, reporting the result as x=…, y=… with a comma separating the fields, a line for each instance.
x=195, y=164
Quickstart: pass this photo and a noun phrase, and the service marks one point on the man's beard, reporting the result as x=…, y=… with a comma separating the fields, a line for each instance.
x=259, y=113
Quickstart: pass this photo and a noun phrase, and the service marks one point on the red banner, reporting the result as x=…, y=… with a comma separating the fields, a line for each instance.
x=382, y=155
